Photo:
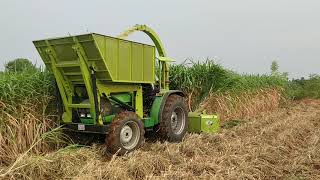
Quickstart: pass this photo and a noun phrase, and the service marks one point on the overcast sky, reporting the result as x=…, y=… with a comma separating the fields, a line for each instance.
x=243, y=35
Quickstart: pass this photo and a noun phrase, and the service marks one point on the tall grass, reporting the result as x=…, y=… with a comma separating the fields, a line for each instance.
x=27, y=121
x=247, y=104
x=29, y=85
x=305, y=88
x=199, y=79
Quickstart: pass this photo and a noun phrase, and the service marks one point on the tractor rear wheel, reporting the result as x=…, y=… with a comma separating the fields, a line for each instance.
x=174, y=122
x=126, y=133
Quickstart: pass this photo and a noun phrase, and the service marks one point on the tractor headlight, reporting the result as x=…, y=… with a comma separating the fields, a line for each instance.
x=84, y=113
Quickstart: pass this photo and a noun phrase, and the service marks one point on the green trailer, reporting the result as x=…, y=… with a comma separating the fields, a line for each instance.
x=115, y=87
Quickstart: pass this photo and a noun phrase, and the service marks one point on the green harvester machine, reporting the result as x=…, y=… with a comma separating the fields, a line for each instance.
x=119, y=88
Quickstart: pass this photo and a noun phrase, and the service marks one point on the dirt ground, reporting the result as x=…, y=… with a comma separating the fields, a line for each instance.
x=283, y=144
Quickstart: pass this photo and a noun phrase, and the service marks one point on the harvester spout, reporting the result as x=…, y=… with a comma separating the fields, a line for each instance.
x=154, y=37
x=164, y=66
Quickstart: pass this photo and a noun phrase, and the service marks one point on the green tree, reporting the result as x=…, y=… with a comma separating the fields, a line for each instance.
x=275, y=71
x=19, y=65
x=274, y=68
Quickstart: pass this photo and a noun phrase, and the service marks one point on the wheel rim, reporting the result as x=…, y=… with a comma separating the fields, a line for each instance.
x=178, y=120
x=130, y=135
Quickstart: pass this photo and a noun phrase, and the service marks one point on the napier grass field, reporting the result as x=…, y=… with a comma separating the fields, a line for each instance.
x=270, y=130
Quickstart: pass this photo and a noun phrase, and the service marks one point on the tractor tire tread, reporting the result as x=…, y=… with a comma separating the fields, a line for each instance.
x=112, y=139
x=165, y=123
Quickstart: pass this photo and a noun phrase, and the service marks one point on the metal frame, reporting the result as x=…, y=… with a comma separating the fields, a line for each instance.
x=96, y=88
x=108, y=89
x=86, y=75
x=64, y=86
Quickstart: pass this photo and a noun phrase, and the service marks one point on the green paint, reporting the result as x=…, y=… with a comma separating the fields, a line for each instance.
x=87, y=120
x=163, y=59
x=116, y=62
x=108, y=119
x=155, y=110
x=148, y=122
x=203, y=123
x=86, y=76
x=139, y=102
x=126, y=61
x=124, y=97
x=49, y=52
x=121, y=67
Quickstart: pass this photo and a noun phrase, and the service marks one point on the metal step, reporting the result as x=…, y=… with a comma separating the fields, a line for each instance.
x=68, y=64
x=72, y=73
x=79, y=105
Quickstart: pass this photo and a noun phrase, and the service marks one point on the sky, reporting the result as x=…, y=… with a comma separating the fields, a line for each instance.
x=244, y=36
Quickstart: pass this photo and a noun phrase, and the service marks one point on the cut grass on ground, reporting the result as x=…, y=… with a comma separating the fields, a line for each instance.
x=283, y=144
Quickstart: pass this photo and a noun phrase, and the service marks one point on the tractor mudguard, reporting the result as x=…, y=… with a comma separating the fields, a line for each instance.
x=165, y=96
x=158, y=105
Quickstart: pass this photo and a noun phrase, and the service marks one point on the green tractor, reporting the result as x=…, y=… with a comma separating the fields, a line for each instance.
x=116, y=87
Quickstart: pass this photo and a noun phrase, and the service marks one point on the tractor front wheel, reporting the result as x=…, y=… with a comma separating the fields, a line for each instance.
x=174, y=122
x=126, y=133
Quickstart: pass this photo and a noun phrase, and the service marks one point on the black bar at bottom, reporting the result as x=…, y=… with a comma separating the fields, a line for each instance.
x=87, y=128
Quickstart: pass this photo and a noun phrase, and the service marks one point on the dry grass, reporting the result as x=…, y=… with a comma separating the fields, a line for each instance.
x=283, y=144
x=246, y=104
x=25, y=129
